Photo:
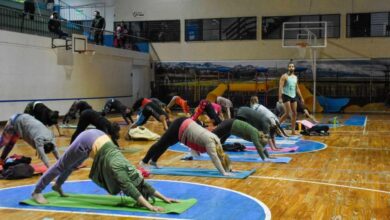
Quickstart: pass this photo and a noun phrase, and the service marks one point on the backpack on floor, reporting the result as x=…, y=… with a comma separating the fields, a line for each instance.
x=235, y=147
x=18, y=171
x=317, y=130
x=16, y=159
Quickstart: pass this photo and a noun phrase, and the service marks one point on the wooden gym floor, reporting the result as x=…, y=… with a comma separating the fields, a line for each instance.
x=350, y=179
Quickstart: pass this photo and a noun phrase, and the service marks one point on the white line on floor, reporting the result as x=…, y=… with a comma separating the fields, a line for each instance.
x=320, y=183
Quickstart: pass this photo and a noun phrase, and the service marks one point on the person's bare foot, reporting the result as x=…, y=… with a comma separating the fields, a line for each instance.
x=58, y=189
x=39, y=198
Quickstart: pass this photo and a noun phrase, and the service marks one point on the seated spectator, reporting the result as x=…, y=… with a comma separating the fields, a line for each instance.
x=29, y=8
x=54, y=26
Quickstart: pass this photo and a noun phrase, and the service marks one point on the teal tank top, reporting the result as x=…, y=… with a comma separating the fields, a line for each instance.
x=290, y=86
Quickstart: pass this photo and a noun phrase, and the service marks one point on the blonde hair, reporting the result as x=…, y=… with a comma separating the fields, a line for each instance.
x=254, y=100
x=224, y=158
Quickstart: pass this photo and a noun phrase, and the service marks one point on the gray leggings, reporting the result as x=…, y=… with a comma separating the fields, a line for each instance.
x=74, y=156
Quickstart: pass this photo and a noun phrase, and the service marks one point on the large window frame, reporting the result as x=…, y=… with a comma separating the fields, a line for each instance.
x=221, y=29
x=265, y=25
x=368, y=25
x=148, y=30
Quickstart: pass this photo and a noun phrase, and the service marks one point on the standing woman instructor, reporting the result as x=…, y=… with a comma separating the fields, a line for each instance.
x=288, y=90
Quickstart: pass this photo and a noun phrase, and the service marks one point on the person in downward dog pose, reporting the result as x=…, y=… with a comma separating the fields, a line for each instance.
x=227, y=106
x=212, y=110
x=301, y=108
x=77, y=108
x=43, y=114
x=36, y=134
x=117, y=106
x=261, y=123
x=110, y=170
x=91, y=117
x=148, y=108
x=160, y=103
x=177, y=100
x=198, y=139
x=245, y=131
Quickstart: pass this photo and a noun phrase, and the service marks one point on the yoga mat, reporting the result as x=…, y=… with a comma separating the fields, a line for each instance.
x=181, y=171
x=356, y=120
x=250, y=159
x=74, y=126
x=291, y=139
x=108, y=202
x=283, y=150
x=305, y=146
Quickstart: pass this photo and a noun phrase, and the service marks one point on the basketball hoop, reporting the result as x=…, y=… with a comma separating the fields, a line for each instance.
x=302, y=47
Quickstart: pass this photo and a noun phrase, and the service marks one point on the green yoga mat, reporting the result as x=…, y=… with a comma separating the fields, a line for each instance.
x=107, y=202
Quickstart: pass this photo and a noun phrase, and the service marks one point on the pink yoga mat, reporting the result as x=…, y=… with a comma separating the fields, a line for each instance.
x=283, y=150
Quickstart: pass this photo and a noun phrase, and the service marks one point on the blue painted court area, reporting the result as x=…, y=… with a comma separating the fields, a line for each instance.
x=304, y=146
x=213, y=202
x=356, y=120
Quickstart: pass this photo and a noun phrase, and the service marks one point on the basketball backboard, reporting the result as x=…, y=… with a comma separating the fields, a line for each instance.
x=311, y=34
x=79, y=43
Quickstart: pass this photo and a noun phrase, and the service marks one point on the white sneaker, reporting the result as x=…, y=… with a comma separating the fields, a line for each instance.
x=144, y=165
x=142, y=133
x=39, y=198
x=154, y=164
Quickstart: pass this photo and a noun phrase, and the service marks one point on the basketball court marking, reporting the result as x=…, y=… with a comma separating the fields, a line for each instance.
x=320, y=183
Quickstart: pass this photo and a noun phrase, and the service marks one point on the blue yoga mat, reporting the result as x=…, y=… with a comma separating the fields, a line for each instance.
x=250, y=159
x=304, y=146
x=234, y=139
x=182, y=171
x=356, y=120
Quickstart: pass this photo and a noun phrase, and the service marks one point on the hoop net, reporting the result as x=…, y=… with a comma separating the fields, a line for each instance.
x=302, y=48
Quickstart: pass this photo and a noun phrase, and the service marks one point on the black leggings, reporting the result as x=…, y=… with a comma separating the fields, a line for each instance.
x=223, y=131
x=169, y=138
x=150, y=109
x=211, y=113
x=90, y=117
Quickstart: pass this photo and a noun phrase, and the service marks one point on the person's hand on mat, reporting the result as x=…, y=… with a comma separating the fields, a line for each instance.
x=169, y=200
x=228, y=174
x=156, y=209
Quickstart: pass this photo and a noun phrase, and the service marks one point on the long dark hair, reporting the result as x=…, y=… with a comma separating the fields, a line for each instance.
x=145, y=192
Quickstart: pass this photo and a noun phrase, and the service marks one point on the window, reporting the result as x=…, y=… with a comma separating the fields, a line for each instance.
x=272, y=26
x=241, y=28
x=368, y=24
x=155, y=31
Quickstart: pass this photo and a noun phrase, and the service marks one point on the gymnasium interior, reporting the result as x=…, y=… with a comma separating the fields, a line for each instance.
x=315, y=74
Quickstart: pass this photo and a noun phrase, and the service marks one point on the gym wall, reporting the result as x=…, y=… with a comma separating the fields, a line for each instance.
x=342, y=48
x=29, y=72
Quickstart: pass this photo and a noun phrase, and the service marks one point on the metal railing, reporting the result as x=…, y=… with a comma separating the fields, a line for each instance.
x=72, y=13
x=15, y=20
